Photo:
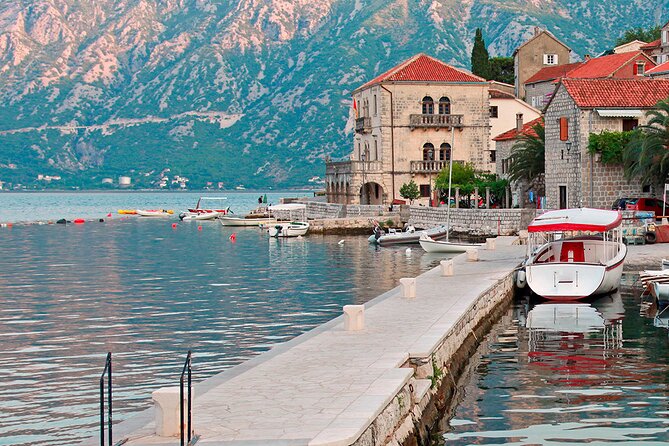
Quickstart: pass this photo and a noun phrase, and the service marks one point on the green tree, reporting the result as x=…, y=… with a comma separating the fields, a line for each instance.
x=645, y=35
x=527, y=161
x=646, y=157
x=502, y=70
x=480, y=56
x=410, y=191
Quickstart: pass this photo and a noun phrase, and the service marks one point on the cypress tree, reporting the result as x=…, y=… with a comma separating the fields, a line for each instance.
x=480, y=56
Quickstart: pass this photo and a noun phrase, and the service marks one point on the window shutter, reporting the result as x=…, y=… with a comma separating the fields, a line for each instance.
x=635, y=69
x=564, y=129
x=555, y=59
x=545, y=59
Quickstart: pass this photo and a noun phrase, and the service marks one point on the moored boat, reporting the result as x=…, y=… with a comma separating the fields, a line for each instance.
x=575, y=253
x=431, y=245
x=155, y=212
x=289, y=229
x=127, y=211
x=410, y=235
x=207, y=208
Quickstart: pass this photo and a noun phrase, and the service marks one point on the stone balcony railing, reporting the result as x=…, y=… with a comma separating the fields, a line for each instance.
x=351, y=166
x=363, y=125
x=435, y=121
x=428, y=166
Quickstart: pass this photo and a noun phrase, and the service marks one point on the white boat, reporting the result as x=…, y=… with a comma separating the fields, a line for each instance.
x=154, y=212
x=226, y=220
x=207, y=208
x=575, y=253
x=289, y=229
x=410, y=235
x=431, y=245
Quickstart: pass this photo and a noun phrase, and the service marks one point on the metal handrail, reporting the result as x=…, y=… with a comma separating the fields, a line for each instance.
x=108, y=371
x=187, y=368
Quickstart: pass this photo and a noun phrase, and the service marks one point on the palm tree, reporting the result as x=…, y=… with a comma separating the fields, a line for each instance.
x=527, y=163
x=647, y=155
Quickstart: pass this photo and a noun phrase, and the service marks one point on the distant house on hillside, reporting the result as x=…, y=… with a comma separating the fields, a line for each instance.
x=542, y=50
x=658, y=49
x=409, y=122
x=633, y=46
x=575, y=178
x=540, y=87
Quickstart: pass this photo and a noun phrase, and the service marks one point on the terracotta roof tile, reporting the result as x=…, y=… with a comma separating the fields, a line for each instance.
x=617, y=93
x=605, y=66
x=422, y=67
x=662, y=68
x=652, y=45
x=553, y=72
x=499, y=94
x=525, y=130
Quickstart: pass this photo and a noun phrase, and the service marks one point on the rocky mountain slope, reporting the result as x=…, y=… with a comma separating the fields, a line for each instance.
x=252, y=91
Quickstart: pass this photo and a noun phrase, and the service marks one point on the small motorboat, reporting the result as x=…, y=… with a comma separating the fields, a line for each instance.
x=431, y=245
x=289, y=229
x=409, y=235
x=155, y=212
x=575, y=253
x=207, y=208
x=127, y=211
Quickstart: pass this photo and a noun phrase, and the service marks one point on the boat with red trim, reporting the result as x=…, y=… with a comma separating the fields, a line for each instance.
x=575, y=253
x=207, y=208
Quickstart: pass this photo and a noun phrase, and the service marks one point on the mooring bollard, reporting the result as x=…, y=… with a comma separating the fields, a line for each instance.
x=167, y=417
x=446, y=267
x=354, y=317
x=408, y=286
x=490, y=244
x=472, y=255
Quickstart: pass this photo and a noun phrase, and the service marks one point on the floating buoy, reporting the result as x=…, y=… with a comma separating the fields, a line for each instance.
x=109, y=214
x=408, y=252
x=341, y=242
x=102, y=220
x=79, y=221
x=174, y=225
x=199, y=228
x=233, y=237
x=62, y=221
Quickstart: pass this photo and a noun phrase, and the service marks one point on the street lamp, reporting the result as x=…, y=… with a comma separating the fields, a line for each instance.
x=568, y=146
x=430, y=165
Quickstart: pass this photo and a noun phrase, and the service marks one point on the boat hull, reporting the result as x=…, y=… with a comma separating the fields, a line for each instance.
x=295, y=229
x=154, y=213
x=436, y=246
x=400, y=238
x=239, y=221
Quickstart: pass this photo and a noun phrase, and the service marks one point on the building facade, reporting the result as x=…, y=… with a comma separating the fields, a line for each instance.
x=542, y=50
x=574, y=177
x=410, y=121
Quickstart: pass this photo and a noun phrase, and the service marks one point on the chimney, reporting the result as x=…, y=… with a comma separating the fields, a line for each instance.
x=519, y=122
x=537, y=30
x=586, y=58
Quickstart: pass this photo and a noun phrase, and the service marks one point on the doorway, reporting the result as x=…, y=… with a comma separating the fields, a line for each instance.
x=563, y=197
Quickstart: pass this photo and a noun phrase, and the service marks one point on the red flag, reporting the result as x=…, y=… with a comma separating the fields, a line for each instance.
x=355, y=108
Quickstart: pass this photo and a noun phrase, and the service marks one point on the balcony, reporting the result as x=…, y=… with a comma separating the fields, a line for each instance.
x=435, y=121
x=428, y=166
x=363, y=125
x=353, y=167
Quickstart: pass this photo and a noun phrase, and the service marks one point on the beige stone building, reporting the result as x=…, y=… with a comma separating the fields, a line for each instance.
x=542, y=50
x=410, y=121
x=574, y=177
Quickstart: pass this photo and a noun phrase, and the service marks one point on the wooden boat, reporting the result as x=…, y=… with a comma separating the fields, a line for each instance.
x=575, y=253
x=154, y=212
x=410, y=235
x=436, y=246
x=289, y=229
x=205, y=209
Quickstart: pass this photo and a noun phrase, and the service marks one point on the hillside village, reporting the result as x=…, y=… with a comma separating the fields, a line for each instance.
x=412, y=119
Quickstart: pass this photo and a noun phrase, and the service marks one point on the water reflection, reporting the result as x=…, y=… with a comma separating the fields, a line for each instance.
x=555, y=373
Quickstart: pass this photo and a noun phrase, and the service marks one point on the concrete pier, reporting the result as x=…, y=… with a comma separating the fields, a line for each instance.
x=333, y=386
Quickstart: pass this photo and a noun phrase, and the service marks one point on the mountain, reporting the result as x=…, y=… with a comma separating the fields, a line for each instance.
x=253, y=92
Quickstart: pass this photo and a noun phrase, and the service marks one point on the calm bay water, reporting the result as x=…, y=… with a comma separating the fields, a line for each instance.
x=556, y=374
x=148, y=293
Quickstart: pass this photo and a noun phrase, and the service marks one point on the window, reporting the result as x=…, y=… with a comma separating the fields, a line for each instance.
x=376, y=150
x=645, y=189
x=639, y=68
x=444, y=106
x=550, y=59
x=445, y=152
x=428, y=152
x=564, y=129
x=505, y=165
x=424, y=190
x=428, y=106
x=376, y=106
x=665, y=36
x=365, y=108
x=630, y=124
x=493, y=156
x=494, y=111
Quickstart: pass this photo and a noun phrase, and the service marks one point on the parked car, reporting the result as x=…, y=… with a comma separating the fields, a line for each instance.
x=641, y=204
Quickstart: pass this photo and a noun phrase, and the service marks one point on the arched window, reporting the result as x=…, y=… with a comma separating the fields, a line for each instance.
x=445, y=152
x=428, y=106
x=444, y=106
x=428, y=152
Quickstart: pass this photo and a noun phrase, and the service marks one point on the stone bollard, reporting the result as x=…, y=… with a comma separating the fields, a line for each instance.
x=354, y=317
x=490, y=244
x=167, y=416
x=446, y=267
x=408, y=286
x=472, y=255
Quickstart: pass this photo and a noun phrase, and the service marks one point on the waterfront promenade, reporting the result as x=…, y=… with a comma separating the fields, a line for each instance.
x=327, y=386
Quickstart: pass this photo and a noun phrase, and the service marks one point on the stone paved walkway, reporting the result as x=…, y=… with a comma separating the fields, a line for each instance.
x=326, y=386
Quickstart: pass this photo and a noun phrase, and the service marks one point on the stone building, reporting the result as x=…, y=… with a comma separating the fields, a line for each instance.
x=658, y=49
x=411, y=120
x=540, y=87
x=517, y=193
x=633, y=46
x=574, y=177
x=542, y=50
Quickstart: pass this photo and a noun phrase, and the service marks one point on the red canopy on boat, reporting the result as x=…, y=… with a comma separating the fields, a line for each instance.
x=582, y=219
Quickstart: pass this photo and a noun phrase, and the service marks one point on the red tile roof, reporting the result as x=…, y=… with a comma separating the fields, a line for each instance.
x=662, y=68
x=553, y=72
x=499, y=94
x=423, y=68
x=617, y=93
x=525, y=130
x=652, y=45
x=605, y=66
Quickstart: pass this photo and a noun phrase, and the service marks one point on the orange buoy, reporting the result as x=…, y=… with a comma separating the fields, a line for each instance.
x=174, y=225
x=233, y=237
x=79, y=221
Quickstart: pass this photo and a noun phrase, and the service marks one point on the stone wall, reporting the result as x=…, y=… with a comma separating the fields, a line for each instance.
x=474, y=221
x=316, y=210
